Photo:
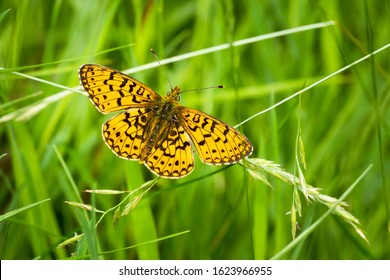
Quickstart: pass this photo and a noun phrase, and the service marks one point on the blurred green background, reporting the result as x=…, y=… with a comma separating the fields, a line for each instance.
x=224, y=213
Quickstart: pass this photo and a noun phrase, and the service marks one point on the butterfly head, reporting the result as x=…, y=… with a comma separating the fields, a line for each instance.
x=174, y=93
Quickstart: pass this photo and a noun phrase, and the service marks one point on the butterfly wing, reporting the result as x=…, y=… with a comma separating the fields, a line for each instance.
x=215, y=141
x=111, y=90
x=124, y=133
x=127, y=135
x=172, y=156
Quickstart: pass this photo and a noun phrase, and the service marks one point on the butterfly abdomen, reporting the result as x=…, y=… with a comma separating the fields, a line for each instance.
x=158, y=127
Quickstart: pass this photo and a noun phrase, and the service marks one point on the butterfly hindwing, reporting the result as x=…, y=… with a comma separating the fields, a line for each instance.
x=124, y=133
x=172, y=157
x=127, y=134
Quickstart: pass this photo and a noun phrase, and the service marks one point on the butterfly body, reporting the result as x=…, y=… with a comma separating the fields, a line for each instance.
x=156, y=130
x=161, y=118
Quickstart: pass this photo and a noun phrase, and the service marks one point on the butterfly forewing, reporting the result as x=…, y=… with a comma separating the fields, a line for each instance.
x=112, y=91
x=215, y=141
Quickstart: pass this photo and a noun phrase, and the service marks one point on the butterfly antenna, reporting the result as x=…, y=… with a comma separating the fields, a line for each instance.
x=200, y=89
x=166, y=76
x=162, y=68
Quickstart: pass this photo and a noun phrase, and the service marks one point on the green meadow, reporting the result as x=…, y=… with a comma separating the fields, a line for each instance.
x=308, y=82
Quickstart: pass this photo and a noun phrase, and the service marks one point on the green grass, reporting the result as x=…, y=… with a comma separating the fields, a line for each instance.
x=52, y=150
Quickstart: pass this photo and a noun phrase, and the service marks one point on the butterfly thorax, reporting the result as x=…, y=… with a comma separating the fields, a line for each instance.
x=163, y=116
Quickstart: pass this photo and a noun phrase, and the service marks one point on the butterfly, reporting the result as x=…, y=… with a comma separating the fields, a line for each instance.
x=156, y=130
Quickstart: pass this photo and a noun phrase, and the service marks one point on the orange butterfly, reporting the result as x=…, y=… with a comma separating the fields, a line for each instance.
x=156, y=130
